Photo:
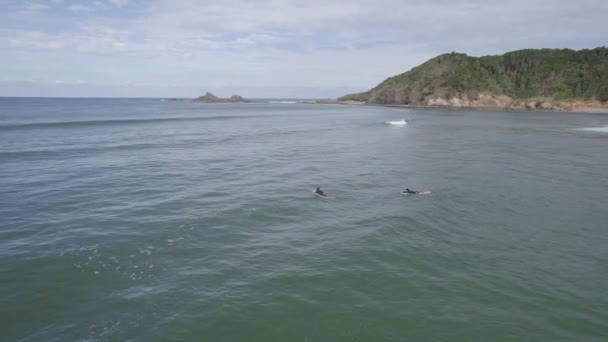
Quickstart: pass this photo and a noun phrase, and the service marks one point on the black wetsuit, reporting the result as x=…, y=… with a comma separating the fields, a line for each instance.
x=410, y=191
x=319, y=192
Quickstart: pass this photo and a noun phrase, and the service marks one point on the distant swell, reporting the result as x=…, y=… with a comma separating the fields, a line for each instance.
x=83, y=123
x=159, y=144
x=603, y=129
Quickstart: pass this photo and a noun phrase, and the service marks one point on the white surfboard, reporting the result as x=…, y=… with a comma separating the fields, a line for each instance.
x=321, y=196
x=418, y=193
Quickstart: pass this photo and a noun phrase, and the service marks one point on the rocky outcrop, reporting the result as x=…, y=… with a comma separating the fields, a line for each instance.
x=478, y=100
x=237, y=98
x=531, y=105
x=483, y=100
x=210, y=98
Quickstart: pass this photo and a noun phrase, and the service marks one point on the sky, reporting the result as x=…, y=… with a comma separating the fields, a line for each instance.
x=274, y=48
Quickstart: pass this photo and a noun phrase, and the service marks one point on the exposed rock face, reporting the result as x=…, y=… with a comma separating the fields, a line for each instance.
x=208, y=97
x=483, y=100
x=237, y=98
x=547, y=106
x=478, y=100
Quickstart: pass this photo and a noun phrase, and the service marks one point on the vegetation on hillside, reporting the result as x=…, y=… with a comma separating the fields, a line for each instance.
x=556, y=74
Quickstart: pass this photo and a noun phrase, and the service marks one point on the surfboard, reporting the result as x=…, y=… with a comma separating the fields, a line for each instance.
x=321, y=196
x=419, y=193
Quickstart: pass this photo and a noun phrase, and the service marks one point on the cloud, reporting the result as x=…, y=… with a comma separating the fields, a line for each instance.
x=100, y=40
x=471, y=26
x=80, y=8
x=269, y=44
x=71, y=82
x=32, y=6
x=119, y=3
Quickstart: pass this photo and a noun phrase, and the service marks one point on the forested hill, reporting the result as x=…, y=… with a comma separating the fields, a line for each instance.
x=512, y=79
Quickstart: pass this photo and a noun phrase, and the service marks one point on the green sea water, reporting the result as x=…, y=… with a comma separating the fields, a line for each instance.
x=150, y=220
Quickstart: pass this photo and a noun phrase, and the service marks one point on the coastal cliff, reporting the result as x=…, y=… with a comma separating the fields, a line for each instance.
x=549, y=79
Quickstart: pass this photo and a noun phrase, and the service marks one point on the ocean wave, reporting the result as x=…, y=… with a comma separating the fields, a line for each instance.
x=80, y=123
x=72, y=151
x=166, y=143
x=396, y=123
x=284, y=102
x=603, y=129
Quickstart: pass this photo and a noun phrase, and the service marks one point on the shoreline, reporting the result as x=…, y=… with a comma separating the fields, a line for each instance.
x=592, y=110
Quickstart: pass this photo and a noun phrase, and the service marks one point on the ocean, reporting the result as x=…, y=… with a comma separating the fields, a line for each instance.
x=151, y=220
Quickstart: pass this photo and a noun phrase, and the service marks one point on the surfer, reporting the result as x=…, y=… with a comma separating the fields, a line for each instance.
x=319, y=192
x=412, y=192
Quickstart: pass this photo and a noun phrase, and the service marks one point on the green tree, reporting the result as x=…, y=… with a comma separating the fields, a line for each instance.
x=603, y=94
x=558, y=74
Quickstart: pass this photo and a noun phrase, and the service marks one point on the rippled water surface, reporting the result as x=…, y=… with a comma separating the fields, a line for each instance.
x=148, y=220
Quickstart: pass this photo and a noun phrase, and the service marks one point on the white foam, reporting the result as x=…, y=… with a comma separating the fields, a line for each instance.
x=595, y=129
x=396, y=123
x=284, y=102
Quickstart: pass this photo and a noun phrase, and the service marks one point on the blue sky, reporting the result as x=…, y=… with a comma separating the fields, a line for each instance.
x=277, y=48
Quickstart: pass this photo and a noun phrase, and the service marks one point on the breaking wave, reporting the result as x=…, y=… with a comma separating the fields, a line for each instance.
x=603, y=129
x=396, y=123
